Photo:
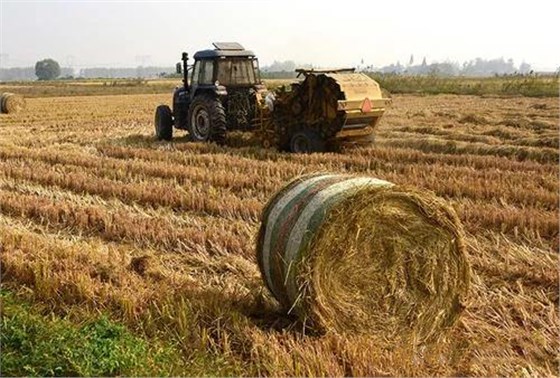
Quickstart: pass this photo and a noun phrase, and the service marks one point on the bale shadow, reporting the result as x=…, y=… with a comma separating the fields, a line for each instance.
x=257, y=307
x=267, y=315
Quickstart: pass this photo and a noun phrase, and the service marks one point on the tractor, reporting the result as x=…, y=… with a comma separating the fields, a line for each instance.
x=225, y=92
x=221, y=95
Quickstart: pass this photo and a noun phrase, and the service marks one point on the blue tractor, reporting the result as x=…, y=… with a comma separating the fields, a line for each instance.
x=219, y=93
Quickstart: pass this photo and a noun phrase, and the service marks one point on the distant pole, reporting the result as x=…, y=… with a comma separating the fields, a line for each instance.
x=71, y=63
x=4, y=59
x=143, y=59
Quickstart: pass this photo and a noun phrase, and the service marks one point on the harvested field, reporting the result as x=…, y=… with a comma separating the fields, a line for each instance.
x=98, y=217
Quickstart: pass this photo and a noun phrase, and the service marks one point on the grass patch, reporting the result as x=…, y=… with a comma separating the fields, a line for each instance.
x=38, y=345
x=531, y=86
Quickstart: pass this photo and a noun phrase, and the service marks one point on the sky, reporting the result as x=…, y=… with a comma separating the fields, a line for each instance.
x=322, y=33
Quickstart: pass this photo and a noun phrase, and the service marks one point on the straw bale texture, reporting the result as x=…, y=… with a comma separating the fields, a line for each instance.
x=358, y=254
x=11, y=103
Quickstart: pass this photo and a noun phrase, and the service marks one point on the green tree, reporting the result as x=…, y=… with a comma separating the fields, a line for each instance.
x=47, y=69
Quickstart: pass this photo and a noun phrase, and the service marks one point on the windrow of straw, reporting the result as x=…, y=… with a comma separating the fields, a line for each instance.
x=361, y=255
x=11, y=103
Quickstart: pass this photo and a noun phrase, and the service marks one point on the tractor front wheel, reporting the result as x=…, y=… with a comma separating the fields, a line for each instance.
x=163, y=123
x=307, y=141
x=207, y=120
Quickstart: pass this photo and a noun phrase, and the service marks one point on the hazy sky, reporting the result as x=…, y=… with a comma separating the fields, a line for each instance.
x=325, y=33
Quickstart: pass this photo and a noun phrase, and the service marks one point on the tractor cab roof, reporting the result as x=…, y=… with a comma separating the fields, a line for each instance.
x=224, y=49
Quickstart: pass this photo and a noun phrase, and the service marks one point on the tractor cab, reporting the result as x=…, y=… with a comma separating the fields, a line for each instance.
x=223, y=80
x=229, y=65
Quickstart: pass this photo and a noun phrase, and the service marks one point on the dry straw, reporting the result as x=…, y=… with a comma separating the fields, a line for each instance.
x=11, y=103
x=361, y=255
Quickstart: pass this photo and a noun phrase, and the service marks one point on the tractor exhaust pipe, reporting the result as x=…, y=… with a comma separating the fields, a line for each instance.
x=185, y=59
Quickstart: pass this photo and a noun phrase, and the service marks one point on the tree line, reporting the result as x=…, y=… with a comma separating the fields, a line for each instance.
x=476, y=67
x=49, y=69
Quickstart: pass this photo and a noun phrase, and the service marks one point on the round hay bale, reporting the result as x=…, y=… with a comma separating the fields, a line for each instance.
x=358, y=254
x=11, y=103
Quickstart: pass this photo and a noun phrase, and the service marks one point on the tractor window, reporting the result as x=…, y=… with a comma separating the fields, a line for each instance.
x=224, y=71
x=196, y=72
x=256, y=70
x=207, y=72
x=236, y=72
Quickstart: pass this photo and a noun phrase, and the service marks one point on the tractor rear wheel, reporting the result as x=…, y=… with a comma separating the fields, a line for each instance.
x=163, y=123
x=207, y=120
x=307, y=141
